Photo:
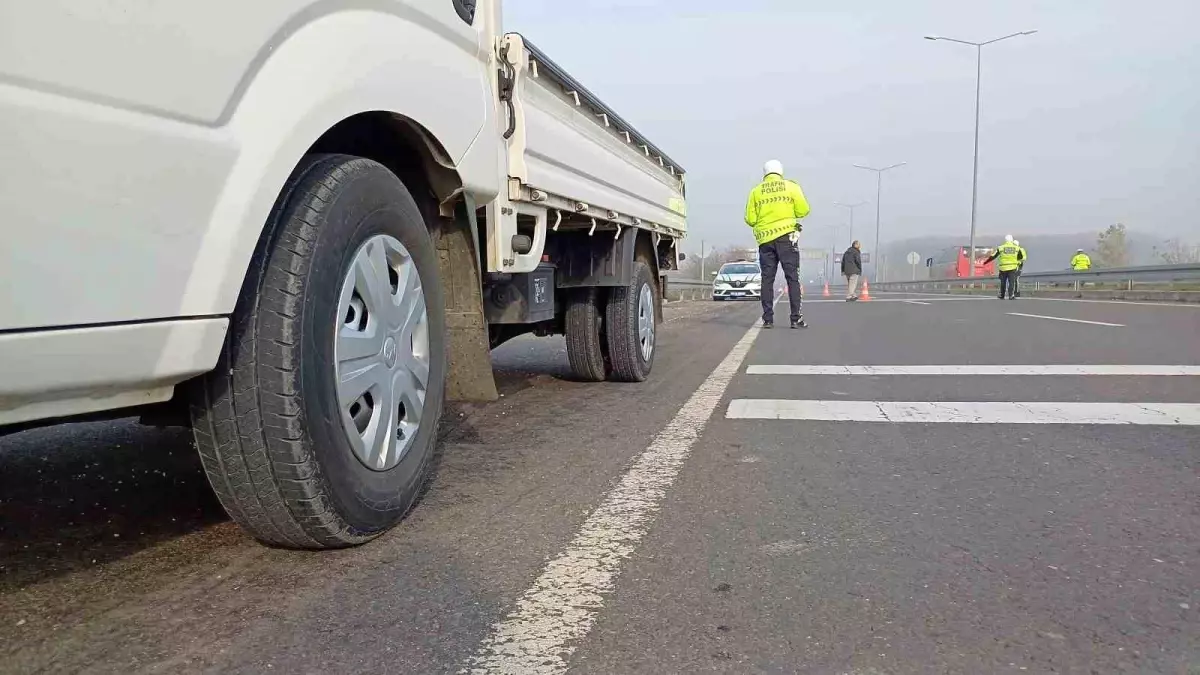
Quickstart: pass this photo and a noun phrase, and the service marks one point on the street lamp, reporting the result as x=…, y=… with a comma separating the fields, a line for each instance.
x=978, y=85
x=878, y=198
x=851, y=207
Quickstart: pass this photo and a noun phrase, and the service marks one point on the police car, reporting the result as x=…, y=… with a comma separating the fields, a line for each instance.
x=736, y=280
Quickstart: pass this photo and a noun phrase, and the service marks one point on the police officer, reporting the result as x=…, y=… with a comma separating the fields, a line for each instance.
x=1081, y=261
x=1010, y=255
x=773, y=211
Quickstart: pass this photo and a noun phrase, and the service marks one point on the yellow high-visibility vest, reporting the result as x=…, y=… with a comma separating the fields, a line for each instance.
x=1010, y=256
x=773, y=208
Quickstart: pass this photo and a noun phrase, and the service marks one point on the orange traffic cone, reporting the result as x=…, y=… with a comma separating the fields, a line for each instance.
x=826, y=291
x=866, y=292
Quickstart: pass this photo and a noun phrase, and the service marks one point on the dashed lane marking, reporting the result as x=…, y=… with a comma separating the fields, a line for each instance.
x=1063, y=318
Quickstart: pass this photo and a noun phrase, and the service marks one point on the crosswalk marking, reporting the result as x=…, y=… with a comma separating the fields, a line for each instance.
x=927, y=412
x=967, y=370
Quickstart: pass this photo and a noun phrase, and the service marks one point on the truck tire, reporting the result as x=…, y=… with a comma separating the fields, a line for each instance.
x=586, y=348
x=318, y=425
x=630, y=326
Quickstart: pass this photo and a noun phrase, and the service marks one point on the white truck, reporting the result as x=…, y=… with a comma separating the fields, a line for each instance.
x=304, y=225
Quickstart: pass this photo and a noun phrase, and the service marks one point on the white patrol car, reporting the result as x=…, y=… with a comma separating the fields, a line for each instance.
x=738, y=279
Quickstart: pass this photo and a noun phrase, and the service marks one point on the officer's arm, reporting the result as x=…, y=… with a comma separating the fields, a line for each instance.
x=752, y=208
x=799, y=203
x=992, y=257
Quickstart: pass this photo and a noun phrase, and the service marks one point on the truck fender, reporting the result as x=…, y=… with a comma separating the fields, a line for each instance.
x=313, y=79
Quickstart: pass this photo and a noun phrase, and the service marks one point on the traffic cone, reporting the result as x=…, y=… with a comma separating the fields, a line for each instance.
x=866, y=292
x=826, y=291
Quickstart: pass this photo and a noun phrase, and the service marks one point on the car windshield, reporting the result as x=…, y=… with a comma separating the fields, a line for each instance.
x=739, y=269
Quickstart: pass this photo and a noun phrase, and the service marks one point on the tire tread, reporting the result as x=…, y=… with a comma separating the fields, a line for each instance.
x=248, y=417
x=621, y=322
x=586, y=349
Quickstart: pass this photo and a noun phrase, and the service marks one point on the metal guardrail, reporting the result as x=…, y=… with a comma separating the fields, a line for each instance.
x=680, y=282
x=1125, y=276
x=682, y=288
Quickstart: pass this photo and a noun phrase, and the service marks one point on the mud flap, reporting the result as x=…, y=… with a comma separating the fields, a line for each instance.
x=469, y=375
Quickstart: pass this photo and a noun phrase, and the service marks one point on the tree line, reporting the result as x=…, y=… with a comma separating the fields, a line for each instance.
x=1112, y=249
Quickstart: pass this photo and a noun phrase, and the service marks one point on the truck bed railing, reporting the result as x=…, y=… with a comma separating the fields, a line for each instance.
x=546, y=67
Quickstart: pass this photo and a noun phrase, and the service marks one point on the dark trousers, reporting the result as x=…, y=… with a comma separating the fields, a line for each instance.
x=771, y=256
x=1008, y=283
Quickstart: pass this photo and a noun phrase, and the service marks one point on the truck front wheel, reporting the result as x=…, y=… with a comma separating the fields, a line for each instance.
x=630, y=326
x=317, y=428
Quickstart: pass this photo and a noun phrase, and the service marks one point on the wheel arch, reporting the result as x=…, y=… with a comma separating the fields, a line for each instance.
x=356, y=82
x=412, y=153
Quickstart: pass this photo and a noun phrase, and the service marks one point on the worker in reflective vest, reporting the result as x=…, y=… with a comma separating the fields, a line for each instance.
x=1010, y=256
x=1081, y=261
x=773, y=212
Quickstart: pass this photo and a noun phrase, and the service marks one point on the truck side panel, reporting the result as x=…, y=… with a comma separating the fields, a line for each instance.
x=572, y=161
x=575, y=147
x=575, y=157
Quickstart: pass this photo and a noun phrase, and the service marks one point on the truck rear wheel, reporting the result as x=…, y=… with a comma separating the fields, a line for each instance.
x=586, y=348
x=317, y=428
x=630, y=326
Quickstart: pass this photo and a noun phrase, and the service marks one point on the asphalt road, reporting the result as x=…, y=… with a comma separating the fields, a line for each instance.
x=619, y=528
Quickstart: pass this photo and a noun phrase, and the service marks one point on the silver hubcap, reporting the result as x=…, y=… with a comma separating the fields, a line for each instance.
x=646, y=321
x=382, y=352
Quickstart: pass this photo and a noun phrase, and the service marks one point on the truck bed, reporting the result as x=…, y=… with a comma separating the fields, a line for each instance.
x=568, y=149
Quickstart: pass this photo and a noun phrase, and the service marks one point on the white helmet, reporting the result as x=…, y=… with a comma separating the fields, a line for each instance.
x=1016, y=242
x=1008, y=238
x=773, y=166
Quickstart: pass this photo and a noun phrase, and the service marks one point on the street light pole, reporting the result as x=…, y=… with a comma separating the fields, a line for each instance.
x=850, y=208
x=878, y=199
x=978, y=89
x=975, y=157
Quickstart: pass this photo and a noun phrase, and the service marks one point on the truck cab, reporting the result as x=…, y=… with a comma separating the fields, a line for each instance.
x=300, y=226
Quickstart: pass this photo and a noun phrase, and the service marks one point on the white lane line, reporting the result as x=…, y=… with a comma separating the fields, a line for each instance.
x=927, y=412
x=1146, y=303
x=544, y=629
x=917, y=302
x=948, y=296
x=966, y=370
x=874, y=299
x=1063, y=318
x=1163, y=303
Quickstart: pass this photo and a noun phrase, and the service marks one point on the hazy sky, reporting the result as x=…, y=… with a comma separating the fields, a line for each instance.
x=1093, y=120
